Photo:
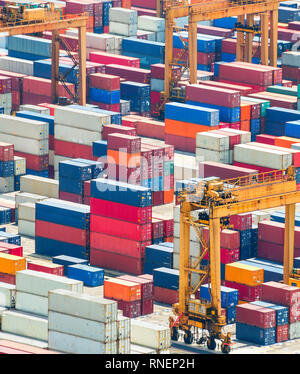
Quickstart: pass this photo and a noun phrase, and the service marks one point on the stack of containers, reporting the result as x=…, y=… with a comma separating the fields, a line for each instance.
x=66, y=261
x=123, y=22
x=127, y=293
x=44, y=118
x=62, y=228
x=6, y=167
x=157, y=255
x=146, y=292
x=26, y=219
x=75, y=132
x=5, y=94
x=9, y=266
x=291, y=66
x=32, y=289
x=229, y=300
x=213, y=147
x=139, y=96
x=104, y=91
x=256, y=324
x=124, y=158
x=86, y=324
x=183, y=122
x=247, y=279
x=271, y=241
x=166, y=285
x=154, y=25
x=31, y=141
x=121, y=217
x=76, y=7
x=149, y=52
x=243, y=224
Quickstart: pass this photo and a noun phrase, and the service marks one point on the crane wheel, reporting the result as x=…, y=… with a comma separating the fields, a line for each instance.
x=174, y=333
x=225, y=348
x=188, y=337
x=211, y=344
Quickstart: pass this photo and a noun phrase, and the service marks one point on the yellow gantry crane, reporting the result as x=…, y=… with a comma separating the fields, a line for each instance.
x=220, y=199
x=32, y=18
x=210, y=10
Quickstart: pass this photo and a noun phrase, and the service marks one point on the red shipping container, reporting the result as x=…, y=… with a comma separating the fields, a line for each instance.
x=223, y=171
x=122, y=229
x=56, y=270
x=255, y=315
x=282, y=333
x=283, y=294
x=5, y=84
x=129, y=121
x=291, y=73
x=181, y=143
x=243, y=73
x=104, y=81
x=146, y=162
x=158, y=71
x=131, y=309
x=213, y=95
x=227, y=256
x=42, y=87
x=86, y=200
x=60, y=232
x=280, y=100
x=73, y=150
x=12, y=249
x=110, y=58
x=6, y=151
x=33, y=162
x=125, y=247
x=49, y=106
x=68, y=196
x=124, y=142
x=117, y=129
x=273, y=251
x=7, y=278
x=146, y=285
x=147, y=306
x=123, y=212
x=212, y=30
x=16, y=79
x=235, y=125
x=51, y=142
x=157, y=198
x=157, y=228
x=155, y=97
x=246, y=293
x=87, y=188
x=266, y=139
x=111, y=107
x=165, y=296
x=115, y=261
x=151, y=129
x=130, y=73
x=272, y=231
x=242, y=89
x=241, y=221
x=294, y=25
x=124, y=173
x=229, y=239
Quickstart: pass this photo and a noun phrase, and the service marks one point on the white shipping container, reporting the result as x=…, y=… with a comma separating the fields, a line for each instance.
x=291, y=58
x=77, y=345
x=245, y=136
x=26, y=228
x=194, y=276
x=157, y=84
x=185, y=167
x=214, y=142
x=58, y=159
x=150, y=23
x=295, y=146
x=139, y=349
x=25, y=197
x=103, y=42
x=176, y=213
x=16, y=65
x=6, y=184
x=123, y=15
x=122, y=28
x=265, y=157
x=51, y=157
x=75, y=135
x=208, y=155
x=25, y=324
x=91, y=307
x=24, y=127
x=7, y=295
x=39, y=185
x=2, y=310
x=26, y=211
x=123, y=327
x=35, y=108
x=81, y=119
x=150, y=334
x=294, y=330
x=39, y=283
x=82, y=327
x=29, y=303
x=123, y=346
x=19, y=165
x=259, y=215
x=193, y=235
x=160, y=37
x=26, y=145
x=118, y=40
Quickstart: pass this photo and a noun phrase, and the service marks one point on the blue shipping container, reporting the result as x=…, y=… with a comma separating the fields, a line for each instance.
x=91, y=276
x=166, y=278
x=68, y=260
x=229, y=296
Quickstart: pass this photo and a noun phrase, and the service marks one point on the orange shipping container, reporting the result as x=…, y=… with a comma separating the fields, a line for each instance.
x=169, y=239
x=186, y=129
x=168, y=196
x=126, y=4
x=244, y=274
x=10, y=264
x=245, y=125
x=286, y=141
x=245, y=111
x=131, y=160
x=120, y=289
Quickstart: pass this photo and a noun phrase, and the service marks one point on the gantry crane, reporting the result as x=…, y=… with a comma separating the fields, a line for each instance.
x=217, y=200
x=33, y=18
x=210, y=10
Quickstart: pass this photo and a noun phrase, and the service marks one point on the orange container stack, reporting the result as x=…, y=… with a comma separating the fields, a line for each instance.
x=9, y=265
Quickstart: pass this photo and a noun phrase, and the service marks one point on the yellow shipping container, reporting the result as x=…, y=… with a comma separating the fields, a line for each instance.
x=242, y=302
x=10, y=264
x=294, y=282
x=244, y=274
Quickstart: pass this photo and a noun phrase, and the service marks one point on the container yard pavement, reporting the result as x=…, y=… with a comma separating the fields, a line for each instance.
x=161, y=316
